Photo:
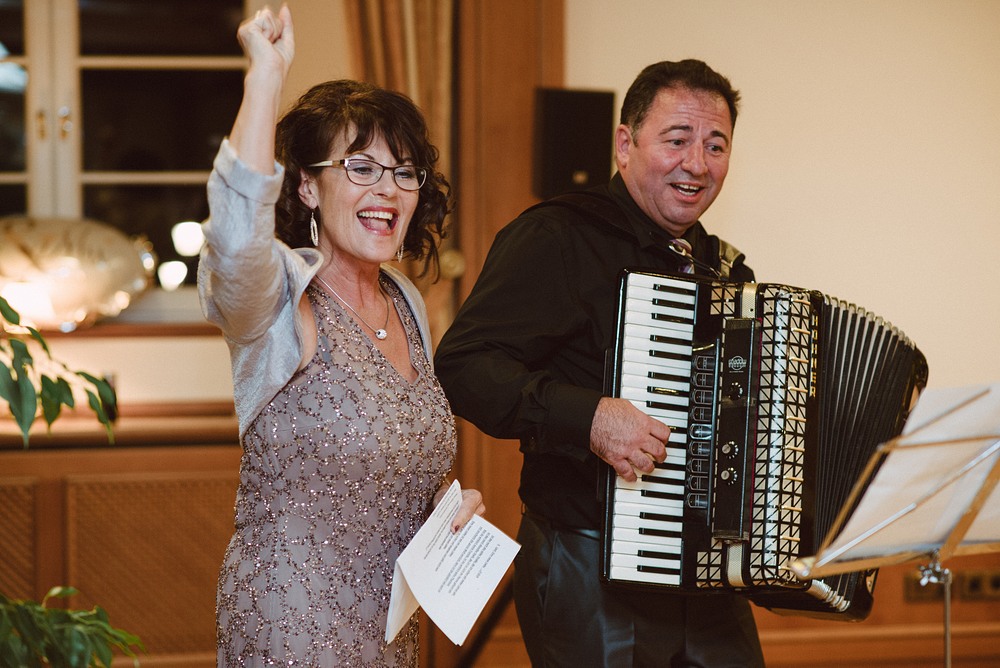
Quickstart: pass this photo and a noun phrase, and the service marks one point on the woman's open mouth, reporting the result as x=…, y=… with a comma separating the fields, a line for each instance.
x=378, y=221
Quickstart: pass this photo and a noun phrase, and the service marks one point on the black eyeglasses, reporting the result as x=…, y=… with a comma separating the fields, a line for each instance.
x=364, y=172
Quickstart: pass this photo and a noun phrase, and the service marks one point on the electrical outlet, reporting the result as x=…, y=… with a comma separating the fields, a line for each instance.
x=979, y=585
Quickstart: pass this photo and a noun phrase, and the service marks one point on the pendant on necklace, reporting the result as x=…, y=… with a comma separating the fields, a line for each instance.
x=380, y=334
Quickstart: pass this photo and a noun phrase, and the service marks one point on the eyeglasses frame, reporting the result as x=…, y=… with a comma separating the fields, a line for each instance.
x=343, y=162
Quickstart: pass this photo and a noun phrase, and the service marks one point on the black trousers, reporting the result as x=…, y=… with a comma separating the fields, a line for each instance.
x=568, y=617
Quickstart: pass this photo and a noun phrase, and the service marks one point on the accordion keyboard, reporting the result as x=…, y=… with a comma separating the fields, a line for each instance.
x=655, y=376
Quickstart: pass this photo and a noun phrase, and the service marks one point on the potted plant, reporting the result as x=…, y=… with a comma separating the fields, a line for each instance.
x=33, y=634
x=25, y=382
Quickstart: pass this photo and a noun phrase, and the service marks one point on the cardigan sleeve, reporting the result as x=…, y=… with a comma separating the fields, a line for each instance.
x=241, y=277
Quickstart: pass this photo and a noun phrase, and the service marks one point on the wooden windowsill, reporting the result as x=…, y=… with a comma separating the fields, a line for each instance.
x=165, y=428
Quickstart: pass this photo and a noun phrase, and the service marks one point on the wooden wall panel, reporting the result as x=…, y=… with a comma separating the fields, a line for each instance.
x=17, y=537
x=506, y=50
x=147, y=548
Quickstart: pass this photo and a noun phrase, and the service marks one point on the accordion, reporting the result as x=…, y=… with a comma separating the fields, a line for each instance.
x=776, y=398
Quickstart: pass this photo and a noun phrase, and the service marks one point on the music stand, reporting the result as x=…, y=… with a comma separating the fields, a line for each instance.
x=929, y=494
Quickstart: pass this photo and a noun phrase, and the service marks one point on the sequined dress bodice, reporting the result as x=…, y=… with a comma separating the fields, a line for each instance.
x=338, y=473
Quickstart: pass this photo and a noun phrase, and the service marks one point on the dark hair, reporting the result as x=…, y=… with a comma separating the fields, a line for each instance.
x=691, y=74
x=307, y=132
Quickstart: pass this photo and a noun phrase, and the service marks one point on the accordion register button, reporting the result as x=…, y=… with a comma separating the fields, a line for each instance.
x=702, y=397
x=704, y=363
x=700, y=448
x=701, y=414
x=704, y=380
x=701, y=431
x=697, y=500
x=698, y=465
x=698, y=483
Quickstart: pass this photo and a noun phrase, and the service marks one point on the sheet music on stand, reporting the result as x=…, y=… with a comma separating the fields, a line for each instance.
x=929, y=494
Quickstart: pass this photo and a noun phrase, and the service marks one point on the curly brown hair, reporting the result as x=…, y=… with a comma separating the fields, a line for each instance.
x=307, y=132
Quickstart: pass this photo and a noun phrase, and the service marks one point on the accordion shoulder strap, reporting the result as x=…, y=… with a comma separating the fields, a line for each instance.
x=729, y=255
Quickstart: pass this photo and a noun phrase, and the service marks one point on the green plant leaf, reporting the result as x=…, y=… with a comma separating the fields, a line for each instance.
x=59, y=591
x=23, y=398
x=102, y=416
x=7, y=384
x=10, y=391
x=28, y=403
x=52, y=399
x=104, y=654
x=107, y=393
x=22, y=356
x=37, y=336
x=25, y=620
x=8, y=312
x=78, y=647
x=66, y=392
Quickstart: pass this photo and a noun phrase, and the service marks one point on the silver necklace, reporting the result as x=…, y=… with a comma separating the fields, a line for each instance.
x=380, y=333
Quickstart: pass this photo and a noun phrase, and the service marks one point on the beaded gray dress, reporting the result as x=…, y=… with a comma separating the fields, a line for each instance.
x=338, y=473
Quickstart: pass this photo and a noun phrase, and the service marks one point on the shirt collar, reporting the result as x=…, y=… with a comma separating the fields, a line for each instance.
x=646, y=231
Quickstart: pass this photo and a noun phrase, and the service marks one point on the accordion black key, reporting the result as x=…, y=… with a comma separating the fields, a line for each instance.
x=776, y=398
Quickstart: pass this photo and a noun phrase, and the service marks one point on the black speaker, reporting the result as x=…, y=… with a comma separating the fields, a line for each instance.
x=572, y=140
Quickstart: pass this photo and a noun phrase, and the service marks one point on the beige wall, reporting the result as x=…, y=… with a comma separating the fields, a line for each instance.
x=321, y=49
x=867, y=152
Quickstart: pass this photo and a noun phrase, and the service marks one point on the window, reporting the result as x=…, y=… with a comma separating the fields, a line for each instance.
x=114, y=109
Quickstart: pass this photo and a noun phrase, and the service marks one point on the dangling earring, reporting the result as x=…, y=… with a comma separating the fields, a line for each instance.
x=313, y=229
x=399, y=253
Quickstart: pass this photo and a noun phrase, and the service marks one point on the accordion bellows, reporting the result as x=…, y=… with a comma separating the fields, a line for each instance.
x=776, y=398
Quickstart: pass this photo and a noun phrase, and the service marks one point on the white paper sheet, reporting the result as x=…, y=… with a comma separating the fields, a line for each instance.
x=451, y=576
x=926, y=483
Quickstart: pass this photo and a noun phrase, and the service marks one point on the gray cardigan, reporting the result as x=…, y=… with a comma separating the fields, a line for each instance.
x=250, y=283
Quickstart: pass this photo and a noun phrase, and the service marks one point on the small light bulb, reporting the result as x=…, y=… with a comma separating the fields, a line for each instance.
x=171, y=274
x=188, y=238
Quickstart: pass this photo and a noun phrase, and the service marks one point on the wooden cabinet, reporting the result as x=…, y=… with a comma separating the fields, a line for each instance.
x=139, y=527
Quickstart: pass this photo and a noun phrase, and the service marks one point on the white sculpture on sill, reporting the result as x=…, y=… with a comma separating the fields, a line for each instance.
x=64, y=273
